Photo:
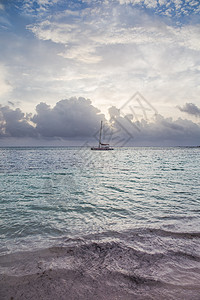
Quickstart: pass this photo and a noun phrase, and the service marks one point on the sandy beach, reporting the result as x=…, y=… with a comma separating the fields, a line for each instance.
x=90, y=272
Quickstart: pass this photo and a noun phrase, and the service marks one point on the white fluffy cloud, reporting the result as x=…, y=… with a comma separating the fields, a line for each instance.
x=120, y=49
x=5, y=85
x=36, y=7
x=95, y=28
x=167, y=7
x=102, y=50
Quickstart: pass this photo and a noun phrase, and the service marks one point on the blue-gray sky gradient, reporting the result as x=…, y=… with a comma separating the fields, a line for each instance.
x=102, y=50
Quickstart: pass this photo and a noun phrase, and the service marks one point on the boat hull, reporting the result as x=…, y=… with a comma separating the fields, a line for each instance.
x=101, y=149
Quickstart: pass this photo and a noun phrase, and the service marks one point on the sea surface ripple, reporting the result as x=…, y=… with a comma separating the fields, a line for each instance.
x=128, y=216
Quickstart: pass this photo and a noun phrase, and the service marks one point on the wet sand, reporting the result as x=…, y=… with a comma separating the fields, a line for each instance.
x=66, y=274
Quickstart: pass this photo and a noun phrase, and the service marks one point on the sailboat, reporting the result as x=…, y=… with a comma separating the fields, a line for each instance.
x=102, y=146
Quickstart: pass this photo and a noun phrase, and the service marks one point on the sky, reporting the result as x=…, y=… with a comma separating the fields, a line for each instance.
x=67, y=65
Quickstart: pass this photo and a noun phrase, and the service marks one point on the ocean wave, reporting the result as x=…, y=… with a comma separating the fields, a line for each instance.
x=175, y=234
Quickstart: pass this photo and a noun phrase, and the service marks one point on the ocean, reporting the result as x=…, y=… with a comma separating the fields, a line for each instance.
x=82, y=224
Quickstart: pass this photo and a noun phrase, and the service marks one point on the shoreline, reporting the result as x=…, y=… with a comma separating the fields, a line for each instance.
x=98, y=271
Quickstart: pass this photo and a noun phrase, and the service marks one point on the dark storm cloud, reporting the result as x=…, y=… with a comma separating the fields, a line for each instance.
x=157, y=132
x=191, y=109
x=14, y=123
x=74, y=117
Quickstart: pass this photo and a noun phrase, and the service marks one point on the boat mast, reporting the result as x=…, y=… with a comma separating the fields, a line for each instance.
x=100, y=134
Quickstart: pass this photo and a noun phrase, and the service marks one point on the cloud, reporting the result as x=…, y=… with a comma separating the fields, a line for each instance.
x=6, y=87
x=14, y=123
x=85, y=54
x=37, y=7
x=111, y=50
x=70, y=118
x=74, y=117
x=169, y=8
x=92, y=32
x=88, y=35
x=158, y=132
x=102, y=50
x=2, y=6
x=191, y=109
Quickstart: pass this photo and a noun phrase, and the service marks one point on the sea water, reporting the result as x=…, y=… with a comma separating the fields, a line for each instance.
x=82, y=224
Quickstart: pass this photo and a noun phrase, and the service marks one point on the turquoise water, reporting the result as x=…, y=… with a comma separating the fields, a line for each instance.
x=48, y=193
x=146, y=199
